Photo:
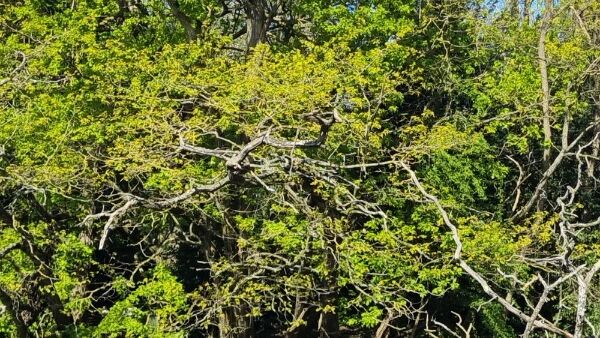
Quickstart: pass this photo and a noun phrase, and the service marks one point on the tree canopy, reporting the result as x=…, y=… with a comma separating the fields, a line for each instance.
x=307, y=168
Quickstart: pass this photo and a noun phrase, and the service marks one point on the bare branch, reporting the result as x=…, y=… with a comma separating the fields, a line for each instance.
x=548, y=173
x=541, y=323
x=16, y=70
x=114, y=217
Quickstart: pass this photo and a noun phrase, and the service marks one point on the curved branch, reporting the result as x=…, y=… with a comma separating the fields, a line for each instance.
x=191, y=192
x=113, y=217
x=548, y=173
x=543, y=323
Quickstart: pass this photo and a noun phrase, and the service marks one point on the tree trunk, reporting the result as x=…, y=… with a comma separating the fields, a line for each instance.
x=183, y=19
x=329, y=325
x=525, y=19
x=594, y=38
x=256, y=22
x=596, y=142
x=543, y=65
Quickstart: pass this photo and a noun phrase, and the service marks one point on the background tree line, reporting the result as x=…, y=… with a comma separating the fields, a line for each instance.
x=308, y=168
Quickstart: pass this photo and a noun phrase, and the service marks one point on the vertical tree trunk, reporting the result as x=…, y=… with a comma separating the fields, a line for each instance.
x=543, y=65
x=594, y=39
x=525, y=19
x=596, y=116
x=256, y=22
x=329, y=325
x=513, y=7
x=581, y=306
x=234, y=320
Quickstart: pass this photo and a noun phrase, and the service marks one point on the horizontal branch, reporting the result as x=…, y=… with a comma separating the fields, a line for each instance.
x=191, y=192
x=220, y=153
x=234, y=161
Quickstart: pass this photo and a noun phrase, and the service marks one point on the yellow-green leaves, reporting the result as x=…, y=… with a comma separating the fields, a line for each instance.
x=155, y=309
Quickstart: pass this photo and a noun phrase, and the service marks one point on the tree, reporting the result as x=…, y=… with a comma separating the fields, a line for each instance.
x=298, y=168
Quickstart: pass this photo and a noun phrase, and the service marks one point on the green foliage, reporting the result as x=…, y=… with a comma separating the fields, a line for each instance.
x=156, y=308
x=243, y=189
x=495, y=322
